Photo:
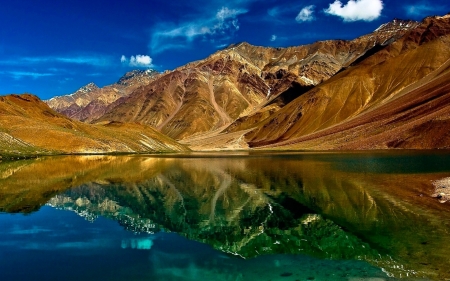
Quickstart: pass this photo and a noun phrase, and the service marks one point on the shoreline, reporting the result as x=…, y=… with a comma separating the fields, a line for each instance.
x=442, y=189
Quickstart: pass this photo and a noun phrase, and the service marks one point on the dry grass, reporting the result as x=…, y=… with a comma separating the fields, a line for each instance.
x=28, y=126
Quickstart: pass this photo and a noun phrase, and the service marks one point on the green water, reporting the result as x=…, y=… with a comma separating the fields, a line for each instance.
x=236, y=216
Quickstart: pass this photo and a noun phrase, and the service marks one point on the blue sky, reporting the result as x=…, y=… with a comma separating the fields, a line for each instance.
x=53, y=48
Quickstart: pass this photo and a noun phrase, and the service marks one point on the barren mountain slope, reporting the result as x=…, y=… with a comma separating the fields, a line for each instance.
x=373, y=84
x=418, y=118
x=29, y=126
x=90, y=102
x=203, y=98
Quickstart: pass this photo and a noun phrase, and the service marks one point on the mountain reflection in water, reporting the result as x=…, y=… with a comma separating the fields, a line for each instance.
x=360, y=206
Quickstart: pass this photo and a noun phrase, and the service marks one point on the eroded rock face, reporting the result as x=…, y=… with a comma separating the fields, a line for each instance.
x=90, y=102
x=332, y=94
x=393, y=98
x=239, y=83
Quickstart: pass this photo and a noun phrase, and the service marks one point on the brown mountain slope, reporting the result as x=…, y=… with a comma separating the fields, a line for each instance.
x=203, y=98
x=29, y=126
x=420, y=118
x=394, y=98
x=90, y=102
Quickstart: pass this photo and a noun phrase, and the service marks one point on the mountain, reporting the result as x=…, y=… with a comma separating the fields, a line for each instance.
x=89, y=102
x=29, y=126
x=396, y=97
x=393, y=96
x=386, y=89
x=204, y=97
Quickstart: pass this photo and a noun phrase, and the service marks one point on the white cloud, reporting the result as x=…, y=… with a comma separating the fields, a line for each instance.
x=423, y=9
x=306, y=14
x=137, y=61
x=220, y=25
x=140, y=60
x=273, y=38
x=354, y=10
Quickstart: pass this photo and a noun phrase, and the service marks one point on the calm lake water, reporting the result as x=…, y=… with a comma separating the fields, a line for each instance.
x=234, y=216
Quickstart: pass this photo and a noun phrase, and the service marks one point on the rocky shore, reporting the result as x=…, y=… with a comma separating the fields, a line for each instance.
x=442, y=189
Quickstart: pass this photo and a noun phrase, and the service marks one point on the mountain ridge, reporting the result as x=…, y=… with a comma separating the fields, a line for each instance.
x=90, y=101
x=29, y=126
x=333, y=94
x=206, y=96
x=383, y=76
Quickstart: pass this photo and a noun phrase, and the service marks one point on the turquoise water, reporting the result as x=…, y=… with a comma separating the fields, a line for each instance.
x=284, y=216
x=60, y=245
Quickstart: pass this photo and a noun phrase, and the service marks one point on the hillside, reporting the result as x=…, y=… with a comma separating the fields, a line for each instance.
x=29, y=126
x=386, y=89
x=204, y=97
x=395, y=98
x=90, y=102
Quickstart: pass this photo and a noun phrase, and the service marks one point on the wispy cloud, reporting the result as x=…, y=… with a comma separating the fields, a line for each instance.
x=279, y=13
x=306, y=14
x=95, y=74
x=221, y=46
x=274, y=12
x=98, y=61
x=65, y=80
x=87, y=60
x=273, y=38
x=355, y=10
x=284, y=13
x=218, y=26
x=424, y=8
x=137, y=61
x=21, y=74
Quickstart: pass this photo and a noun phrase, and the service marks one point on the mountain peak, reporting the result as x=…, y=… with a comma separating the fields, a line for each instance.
x=396, y=25
x=446, y=16
x=136, y=74
x=87, y=88
x=236, y=45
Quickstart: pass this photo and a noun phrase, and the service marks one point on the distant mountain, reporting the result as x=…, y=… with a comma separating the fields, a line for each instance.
x=89, y=102
x=386, y=89
x=241, y=85
x=29, y=126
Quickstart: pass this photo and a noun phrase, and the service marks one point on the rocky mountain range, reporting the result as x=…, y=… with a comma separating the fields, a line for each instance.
x=386, y=89
x=396, y=97
x=242, y=84
x=90, y=102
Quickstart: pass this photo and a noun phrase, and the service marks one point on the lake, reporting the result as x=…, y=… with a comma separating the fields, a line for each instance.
x=226, y=216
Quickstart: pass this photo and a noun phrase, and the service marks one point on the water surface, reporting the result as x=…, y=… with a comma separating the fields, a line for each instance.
x=241, y=216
